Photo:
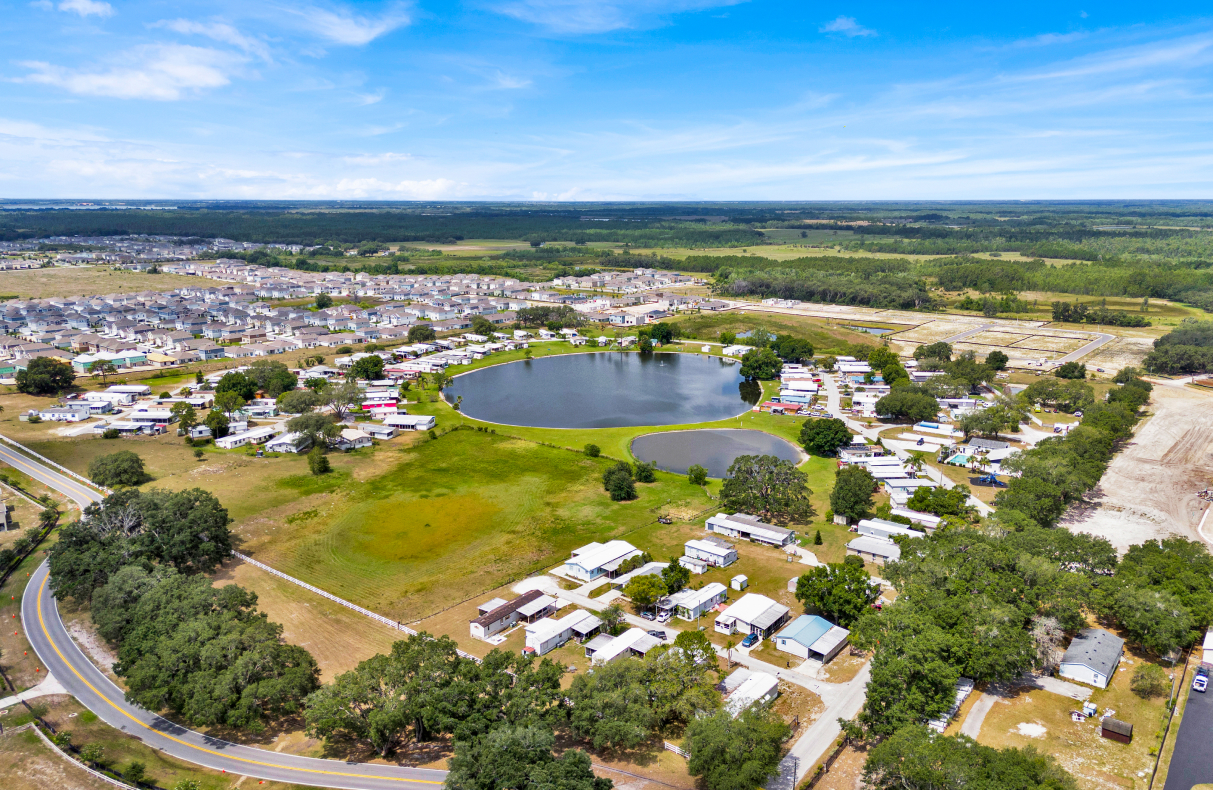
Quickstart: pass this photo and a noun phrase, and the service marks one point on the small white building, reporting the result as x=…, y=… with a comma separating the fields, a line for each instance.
x=255, y=436
x=497, y=615
x=595, y=560
x=352, y=438
x=381, y=432
x=741, y=525
x=757, y=688
x=546, y=634
x=292, y=442
x=691, y=604
x=752, y=614
x=633, y=642
x=887, y=530
x=739, y=582
x=410, y=422
x=694, y=565
x=711, y=552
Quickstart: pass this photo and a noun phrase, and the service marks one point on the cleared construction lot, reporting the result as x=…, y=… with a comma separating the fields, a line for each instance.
x=1149, y=490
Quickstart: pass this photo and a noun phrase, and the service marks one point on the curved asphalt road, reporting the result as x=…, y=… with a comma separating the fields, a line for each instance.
x=84, y=681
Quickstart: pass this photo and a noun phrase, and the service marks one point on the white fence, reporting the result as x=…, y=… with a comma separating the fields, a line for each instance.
x=71, y=759
x=669, y=747
x=365, y=612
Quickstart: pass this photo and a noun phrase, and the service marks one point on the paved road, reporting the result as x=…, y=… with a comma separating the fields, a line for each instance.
x=1100, y=339
x=79, y=677
x=1190, y=764
x=82, y=494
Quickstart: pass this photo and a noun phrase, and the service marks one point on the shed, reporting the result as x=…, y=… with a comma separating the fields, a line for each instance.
x=739, y=582
x=1116, y=730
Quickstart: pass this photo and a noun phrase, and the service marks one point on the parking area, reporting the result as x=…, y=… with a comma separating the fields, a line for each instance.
x=1190, y=764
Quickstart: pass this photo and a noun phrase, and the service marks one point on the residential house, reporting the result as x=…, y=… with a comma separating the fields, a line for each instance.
x=1092, y=657
x=752, y=614
x=497, y=615
x=546, y=634
x=691, y=604
x=596, y=559
x=810, y=636
x=743, y=526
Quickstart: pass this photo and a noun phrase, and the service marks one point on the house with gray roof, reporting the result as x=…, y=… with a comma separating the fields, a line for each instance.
x=1092, y=657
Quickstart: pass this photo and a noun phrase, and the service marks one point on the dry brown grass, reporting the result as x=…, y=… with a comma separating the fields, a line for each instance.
x=29, y=764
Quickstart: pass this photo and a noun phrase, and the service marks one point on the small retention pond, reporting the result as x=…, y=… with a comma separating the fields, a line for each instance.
x=605, y=390
x=677, y=451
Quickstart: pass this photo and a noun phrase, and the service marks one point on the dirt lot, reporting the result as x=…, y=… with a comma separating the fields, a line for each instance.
x=60, y=281
x=1149, y=491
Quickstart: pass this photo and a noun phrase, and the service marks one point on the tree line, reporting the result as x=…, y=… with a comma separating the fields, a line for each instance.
x=1186, y=349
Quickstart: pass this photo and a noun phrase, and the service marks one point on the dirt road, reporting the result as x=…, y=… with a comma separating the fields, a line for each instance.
x=1149, y=491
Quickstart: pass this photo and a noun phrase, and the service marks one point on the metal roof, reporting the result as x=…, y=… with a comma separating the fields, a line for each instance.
x=1095, y=648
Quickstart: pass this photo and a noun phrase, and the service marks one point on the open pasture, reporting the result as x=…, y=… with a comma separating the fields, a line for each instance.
x=79, y=280
x=459, y=515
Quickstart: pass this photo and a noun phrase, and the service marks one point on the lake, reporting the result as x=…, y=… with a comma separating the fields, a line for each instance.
x=605, y=390
x=676, y=451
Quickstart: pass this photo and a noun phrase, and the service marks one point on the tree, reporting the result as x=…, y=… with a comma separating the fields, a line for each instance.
x=760, y=363
x=228, y=402
x=272, y=377
x=675, y=576
x=342, y=398
x=611, y=617
x=369, y=368
x=664, y=333
x=644, y=591
x=1153, y=618
x=768, y=486
x=520, y=758
x=323, y=301
x=966, y=368
x=422, y=333
x=817, y=541
x=915, y=758
x=123, y=468
x=386, y=696
x=1071, y=370
x=318, y=428
x=736, y=753
x=795, y=350
x=186, y=416
x=1069, y=396
x=997, y=360
x=993, y=420
x=942, y=501
x=618, y=481
x=841, y=593
x=909, y=404
x=217, y=421
x=45, y=376
x=593, y=450
x=824, y=437
x=1149, y=680
x=852, y=494
x=238, y=384
x=697, y=475
x=482, y=326
x=940, y=350
x=299, y=401
x=646, y=472
x=103, y=368
x=135, y=773
x=318, y=462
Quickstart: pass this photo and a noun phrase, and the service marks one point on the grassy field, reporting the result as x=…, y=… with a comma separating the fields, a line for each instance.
x=78, y=280
x=29, y=764
x=456, y=516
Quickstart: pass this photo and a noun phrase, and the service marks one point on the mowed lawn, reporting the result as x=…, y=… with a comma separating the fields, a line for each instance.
x=457, y=516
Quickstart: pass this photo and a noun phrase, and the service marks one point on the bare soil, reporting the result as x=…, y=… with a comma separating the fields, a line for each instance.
x=1149, y=490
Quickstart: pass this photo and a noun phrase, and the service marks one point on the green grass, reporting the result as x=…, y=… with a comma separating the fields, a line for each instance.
x=825, y=339
x=458, y=515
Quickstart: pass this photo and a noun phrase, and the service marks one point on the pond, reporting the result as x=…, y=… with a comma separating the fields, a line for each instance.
x=871, y=330
x=676, y=451
x=605, y=390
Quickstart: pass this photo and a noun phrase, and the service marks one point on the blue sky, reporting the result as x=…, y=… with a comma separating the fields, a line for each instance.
x=604, y=100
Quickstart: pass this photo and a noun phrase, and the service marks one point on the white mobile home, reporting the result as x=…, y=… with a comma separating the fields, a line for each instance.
x=255, y=436
x=595, y=560
x=546, y=634
x=710, y=552
x=752, y=614
x=741, y=525
x=1092, y=657
x=410, y=422
x=292, y=442
x=758, y=688
x=691, y=604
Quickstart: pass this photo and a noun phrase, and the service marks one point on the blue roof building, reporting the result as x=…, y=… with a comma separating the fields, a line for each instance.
x=812, y=637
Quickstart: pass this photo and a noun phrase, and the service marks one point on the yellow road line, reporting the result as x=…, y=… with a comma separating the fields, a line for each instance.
x=42, y=622
x=28, y=466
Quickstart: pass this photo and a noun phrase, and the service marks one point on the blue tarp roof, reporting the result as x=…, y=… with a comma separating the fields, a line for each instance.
x=806, y=629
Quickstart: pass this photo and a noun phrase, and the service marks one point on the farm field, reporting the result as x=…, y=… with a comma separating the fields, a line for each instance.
x=77, y=280
x=457, y=516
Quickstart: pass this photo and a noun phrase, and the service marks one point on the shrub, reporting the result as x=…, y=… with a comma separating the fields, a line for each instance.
x=817, y=541
x=619, y=483
x=646, y=473
x=110, y=433
x=318, y=462
x=593, y=450
x=697, y=474
x=1150, y=680
x=1071, y=370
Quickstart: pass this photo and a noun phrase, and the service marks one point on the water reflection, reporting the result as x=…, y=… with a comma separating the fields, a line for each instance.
x=676, y=451
x=605, y=390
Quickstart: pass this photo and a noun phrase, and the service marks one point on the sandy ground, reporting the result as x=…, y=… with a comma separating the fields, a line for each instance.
x=1149, y=490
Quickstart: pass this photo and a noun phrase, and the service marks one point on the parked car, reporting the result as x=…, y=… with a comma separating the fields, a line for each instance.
x=750, y=640
x=658, y=635
x=646, y=615
x=1200, y=683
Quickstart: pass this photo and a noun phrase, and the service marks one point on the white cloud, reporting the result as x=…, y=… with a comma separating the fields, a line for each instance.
x=164, y=72
x=218, y=31
x=508, y=82
x=847, y=26
x=578, y=17
x=342, y=26
x=87, y=7
x=372, y=160
x=366, y=99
